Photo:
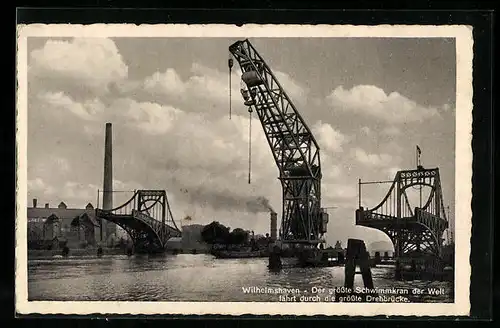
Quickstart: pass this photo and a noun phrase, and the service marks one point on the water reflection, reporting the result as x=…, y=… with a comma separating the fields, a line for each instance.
x=183, y=277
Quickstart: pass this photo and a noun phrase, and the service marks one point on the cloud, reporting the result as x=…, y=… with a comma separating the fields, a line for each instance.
x=206, y=88
x=119, y=185
x=90, y=63
x=72, y=193
x=60, y=102
x=45, y=167
x=393, y=147
x=373, y=102
x=329, y=139
x=75, y=191
x=374, y=160
x=329, y=170
x=391, y=172
x=61, y=163
x=187, y=151
x=168, y=83
x=38, y=186
x=391, y=131
x=297, y=92
x=339, y=192
x=177, y=148
x=148, y=117
x=366, y=130
x=446, y=107
x=203, y=89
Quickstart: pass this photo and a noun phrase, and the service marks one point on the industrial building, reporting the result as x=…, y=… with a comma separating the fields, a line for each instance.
x=48, y=227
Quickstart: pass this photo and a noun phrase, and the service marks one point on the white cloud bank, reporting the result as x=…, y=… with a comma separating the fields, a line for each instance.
x=374, y=102
x=373, y=160
x=92, y=63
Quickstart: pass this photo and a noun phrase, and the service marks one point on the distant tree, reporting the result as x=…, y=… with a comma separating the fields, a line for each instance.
x=261, y=241
x=238, y=236
x=215, y=233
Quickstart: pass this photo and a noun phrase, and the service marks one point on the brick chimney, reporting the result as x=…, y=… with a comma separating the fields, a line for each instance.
x=107, y=194
x=274, y=226
x=34, y=202
x=108, y=169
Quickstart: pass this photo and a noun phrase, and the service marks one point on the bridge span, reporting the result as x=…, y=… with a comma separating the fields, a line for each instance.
x=147, y=219
x=417, y=230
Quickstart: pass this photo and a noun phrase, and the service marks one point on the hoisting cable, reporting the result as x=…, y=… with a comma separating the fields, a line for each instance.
x=230, y=65
x=249, y=144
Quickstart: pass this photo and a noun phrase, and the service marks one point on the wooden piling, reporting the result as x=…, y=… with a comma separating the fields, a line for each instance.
x=357, y=256
x=275, y=258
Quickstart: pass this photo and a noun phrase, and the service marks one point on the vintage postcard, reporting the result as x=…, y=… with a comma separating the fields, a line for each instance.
x=216, y=169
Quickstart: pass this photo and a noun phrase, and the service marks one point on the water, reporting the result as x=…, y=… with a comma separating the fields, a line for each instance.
x=187, y=277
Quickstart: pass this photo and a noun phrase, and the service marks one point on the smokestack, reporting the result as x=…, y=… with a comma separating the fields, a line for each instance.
x=274, y=226
x=34, y=202
x=107, y=195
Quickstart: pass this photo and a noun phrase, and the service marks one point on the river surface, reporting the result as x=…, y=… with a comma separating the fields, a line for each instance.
x=188, y=277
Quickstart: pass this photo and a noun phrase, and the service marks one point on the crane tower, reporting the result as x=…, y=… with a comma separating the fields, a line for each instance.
x=293, y=146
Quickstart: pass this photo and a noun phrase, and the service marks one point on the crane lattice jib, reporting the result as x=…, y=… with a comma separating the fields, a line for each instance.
x=293, y=146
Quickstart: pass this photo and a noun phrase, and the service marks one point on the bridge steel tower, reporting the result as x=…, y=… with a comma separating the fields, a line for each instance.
x=417, y=230
x=293, y=146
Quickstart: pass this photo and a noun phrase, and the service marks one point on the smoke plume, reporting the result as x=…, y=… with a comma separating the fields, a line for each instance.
x=225, y=199
x=260, y=204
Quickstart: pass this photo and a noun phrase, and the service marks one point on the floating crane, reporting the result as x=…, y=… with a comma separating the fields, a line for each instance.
x=293, y=146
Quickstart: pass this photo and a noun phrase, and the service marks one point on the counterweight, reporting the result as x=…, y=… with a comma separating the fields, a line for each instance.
x=293, y=146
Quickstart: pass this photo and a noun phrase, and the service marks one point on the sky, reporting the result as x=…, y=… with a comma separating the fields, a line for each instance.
x=368, y=102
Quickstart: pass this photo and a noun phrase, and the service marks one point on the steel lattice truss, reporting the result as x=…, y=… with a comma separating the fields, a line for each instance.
x=147, y=218
x=293, y=146
x=418, y=229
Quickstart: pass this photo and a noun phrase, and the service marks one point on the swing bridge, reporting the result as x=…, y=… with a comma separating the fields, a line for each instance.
x=147, y=219
x=414, y=231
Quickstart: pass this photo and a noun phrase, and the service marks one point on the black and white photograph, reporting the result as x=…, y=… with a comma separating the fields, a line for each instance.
x=243, y=169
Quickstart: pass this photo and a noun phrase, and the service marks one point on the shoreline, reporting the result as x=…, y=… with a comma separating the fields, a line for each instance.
x=78, y=252
x=36, y=254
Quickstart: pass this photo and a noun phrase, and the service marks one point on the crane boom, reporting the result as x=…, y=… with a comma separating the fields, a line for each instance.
x=293, y=146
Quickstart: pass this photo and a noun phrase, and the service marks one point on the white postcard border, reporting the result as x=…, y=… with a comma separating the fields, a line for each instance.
x=463, y=170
